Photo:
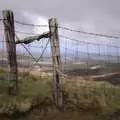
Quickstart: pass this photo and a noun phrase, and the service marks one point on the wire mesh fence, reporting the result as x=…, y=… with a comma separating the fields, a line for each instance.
x=84, y=56
x=30, y=57
x=91, y=54
x=82, y=53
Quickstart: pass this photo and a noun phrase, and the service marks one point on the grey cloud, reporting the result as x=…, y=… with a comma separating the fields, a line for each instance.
x=103, y=14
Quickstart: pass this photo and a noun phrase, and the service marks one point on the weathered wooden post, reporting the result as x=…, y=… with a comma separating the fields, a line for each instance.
x=57, y=81
x=11, y=50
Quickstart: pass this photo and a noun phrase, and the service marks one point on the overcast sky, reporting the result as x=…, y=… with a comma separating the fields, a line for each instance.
x=90, y=15
x=99, y=16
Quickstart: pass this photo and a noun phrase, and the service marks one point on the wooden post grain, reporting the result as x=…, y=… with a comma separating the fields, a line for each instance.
x=57, y=81
x=11, y=51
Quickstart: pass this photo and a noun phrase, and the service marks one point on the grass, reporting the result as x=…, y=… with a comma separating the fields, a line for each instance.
x=79, y=94
x=88, y=94
x=32, y=91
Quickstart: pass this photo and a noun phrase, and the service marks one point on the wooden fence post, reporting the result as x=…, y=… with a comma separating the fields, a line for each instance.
x=11, y=51
x=57, y=81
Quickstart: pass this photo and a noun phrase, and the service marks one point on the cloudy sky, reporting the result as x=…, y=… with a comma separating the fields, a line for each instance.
x=98, y=16
x=90, y=15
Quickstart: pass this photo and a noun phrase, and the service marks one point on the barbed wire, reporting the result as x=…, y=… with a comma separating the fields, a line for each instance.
x=1, y=19
x=27, y=24
x=72, y=30
x=24, y=45
x=71, y=59
x=69, y=29
x=85, y=42
x=23, y=32
x=89, y=33
x=77, y=49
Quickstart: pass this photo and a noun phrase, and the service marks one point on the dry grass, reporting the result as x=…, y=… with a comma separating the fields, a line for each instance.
x=79, y=93
x=33, y=90
x=89, y=94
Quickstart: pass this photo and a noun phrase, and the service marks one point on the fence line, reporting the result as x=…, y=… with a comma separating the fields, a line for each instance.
x=79, y=57
x=68, y=29
x=67, y=49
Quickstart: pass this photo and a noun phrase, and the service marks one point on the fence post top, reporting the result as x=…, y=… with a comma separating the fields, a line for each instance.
x=53, y=19
x=7, y=10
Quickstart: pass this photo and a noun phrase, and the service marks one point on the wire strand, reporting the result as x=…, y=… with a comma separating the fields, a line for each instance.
x=89, y=33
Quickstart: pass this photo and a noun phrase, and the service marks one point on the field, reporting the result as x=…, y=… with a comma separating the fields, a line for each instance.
x=84, y=97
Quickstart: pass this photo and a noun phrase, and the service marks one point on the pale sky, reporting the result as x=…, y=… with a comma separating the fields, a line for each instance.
x=90, y=15
x=98, y=16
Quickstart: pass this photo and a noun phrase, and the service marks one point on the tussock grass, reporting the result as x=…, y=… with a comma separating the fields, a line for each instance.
x=79, y=94
x=33, y=90
x=89, y=94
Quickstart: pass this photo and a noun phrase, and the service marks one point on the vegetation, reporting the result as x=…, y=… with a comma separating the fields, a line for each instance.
x=89, y=94
x=33, y=91
x=79, y=94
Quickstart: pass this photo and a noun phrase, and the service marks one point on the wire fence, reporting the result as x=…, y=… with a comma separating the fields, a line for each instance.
x=84, y=56
x=82, y=53
x=34, y=56
x=87, y=54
